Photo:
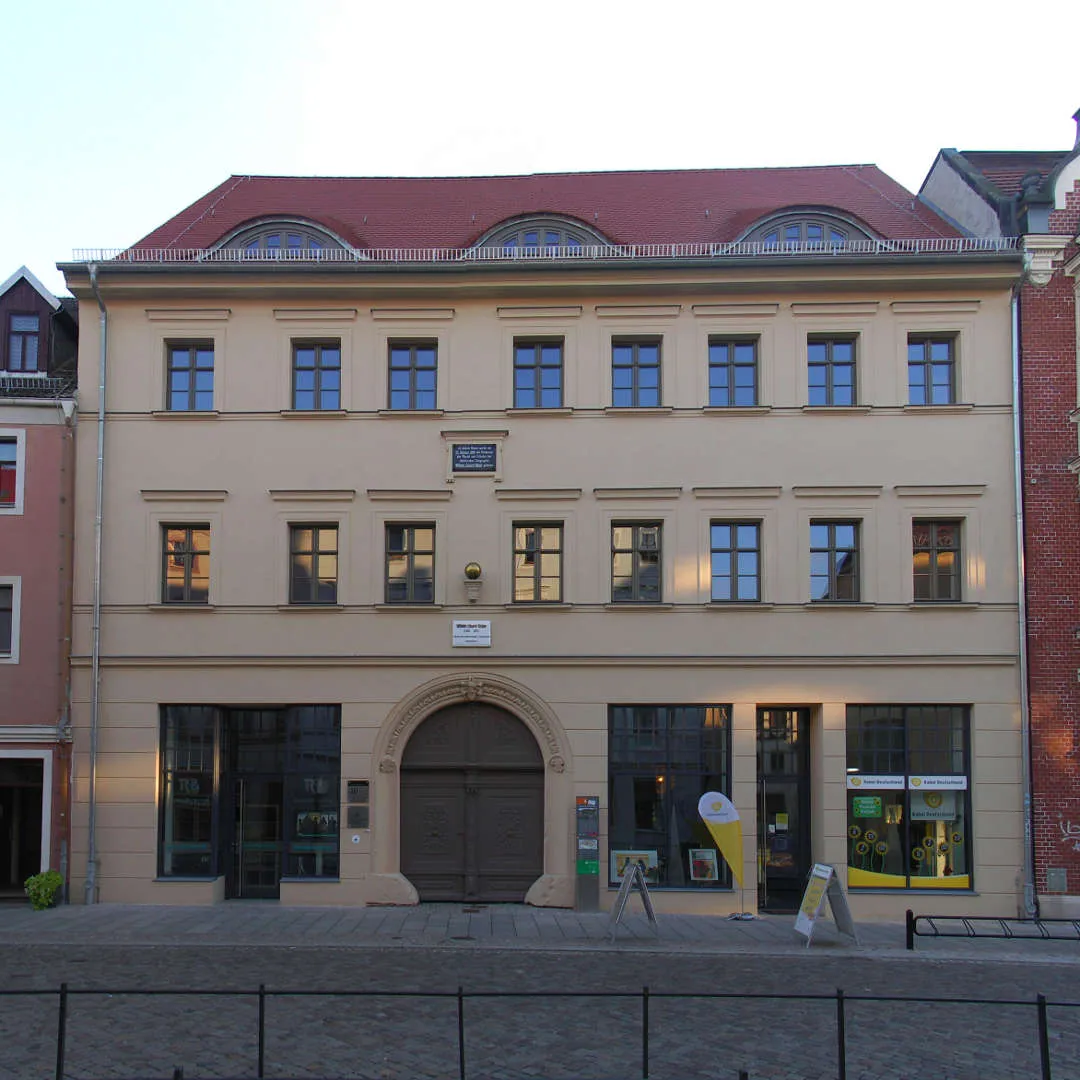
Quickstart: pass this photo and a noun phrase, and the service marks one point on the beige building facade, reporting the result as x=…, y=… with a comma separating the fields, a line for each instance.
x=715, y=540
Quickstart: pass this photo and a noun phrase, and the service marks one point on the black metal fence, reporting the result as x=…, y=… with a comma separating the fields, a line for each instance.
x=982, y=926
x=1039, y=1007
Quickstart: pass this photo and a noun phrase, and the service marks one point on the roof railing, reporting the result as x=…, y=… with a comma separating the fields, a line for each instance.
x=946, y=245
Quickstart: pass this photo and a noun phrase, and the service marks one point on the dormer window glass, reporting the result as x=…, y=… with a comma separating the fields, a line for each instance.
x=540, y=237
x=807, y=228
x=805, y=232
x=281, y=240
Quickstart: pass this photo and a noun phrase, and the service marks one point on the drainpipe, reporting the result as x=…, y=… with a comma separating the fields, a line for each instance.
x=1030, y=901
x=95, y=627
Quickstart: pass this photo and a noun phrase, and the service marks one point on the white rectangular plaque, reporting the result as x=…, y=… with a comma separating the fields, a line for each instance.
x=470, y=634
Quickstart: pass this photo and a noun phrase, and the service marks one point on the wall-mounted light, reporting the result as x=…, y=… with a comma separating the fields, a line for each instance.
x=473, y=570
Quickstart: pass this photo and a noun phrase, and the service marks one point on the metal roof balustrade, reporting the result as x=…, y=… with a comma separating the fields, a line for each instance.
x=960, y=245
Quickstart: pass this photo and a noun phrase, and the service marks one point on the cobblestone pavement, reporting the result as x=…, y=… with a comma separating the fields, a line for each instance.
x=506, y=951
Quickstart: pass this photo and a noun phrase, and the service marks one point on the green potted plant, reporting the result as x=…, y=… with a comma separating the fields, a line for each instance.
x=43, y=889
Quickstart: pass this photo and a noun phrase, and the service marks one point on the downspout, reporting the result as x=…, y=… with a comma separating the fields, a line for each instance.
x=1029, y=900
x=95, y=626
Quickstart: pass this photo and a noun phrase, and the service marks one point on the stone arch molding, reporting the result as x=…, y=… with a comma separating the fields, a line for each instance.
x=414, y=709
x=385, y=883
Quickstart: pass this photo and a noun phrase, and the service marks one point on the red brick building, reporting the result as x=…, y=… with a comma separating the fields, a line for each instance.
x=1037, y=195
x=37, y=410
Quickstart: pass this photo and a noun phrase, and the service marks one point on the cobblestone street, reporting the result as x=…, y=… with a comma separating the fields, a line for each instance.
x=126, y=1036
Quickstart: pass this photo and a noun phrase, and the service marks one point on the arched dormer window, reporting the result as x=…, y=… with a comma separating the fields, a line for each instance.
x=282, y=238
x=542, y=233
x=807, y=228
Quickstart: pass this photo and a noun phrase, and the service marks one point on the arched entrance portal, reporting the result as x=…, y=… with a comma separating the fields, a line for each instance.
x=472, y=806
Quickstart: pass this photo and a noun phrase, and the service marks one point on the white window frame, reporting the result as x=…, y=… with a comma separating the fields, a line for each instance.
x=16, y=603
x=46, y=759
x=19, y=435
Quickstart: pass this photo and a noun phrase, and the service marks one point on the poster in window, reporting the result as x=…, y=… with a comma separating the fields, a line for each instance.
x=645, y=858
x=703, y=865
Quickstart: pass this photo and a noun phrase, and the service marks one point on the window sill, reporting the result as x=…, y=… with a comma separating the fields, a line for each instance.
x=311, y=879
x=530, y=605
x=738, y=605
x=172, y=879
x=638, y=605
x=311, y=607
x=181, y=607
x=408, y=607
x=837, y=410
x=185, y=414
x=410, y=414
x=736, y=410
x=838, y=605
x=958, y=407
x=943, y=605
x=563, y=410
x=638, y=410
x=313, y=414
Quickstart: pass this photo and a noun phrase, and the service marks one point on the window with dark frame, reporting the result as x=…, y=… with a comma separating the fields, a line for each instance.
x=908, y=796
x=206, y=749
x=931, y=369
x=410, y=563
x=538, y=374
x=735, y=561
x=830, y=364
x=9, y=463
x=23, y=342
x=834, y=561
x=936, y=563
x=661, y=760
x=190, y=376
x=316, y=376
x=185, y=564
x=733, y=372
x=7, y=617
x=538, y=558
x=635, y=373
x=636, y=562
x=413, y=378
x=313, y=564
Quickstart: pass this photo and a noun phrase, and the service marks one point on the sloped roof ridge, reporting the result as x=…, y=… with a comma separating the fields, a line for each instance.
x=308, y=177
x=33, y=282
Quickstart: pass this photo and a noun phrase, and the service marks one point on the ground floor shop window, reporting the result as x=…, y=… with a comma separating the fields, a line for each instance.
x=908, y=805
x=250, y=793
x=662, y=759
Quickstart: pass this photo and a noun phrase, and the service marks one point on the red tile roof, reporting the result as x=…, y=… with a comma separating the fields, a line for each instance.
x=626, y=207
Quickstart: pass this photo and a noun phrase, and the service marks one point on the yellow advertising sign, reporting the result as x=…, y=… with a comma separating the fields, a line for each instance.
x=722, y=820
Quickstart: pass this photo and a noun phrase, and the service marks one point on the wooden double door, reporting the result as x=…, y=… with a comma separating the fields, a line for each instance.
x=472, y=806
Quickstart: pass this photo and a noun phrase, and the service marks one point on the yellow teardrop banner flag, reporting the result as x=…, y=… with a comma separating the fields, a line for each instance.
x=722, y=820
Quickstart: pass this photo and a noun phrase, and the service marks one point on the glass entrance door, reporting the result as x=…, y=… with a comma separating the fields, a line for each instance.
x=783, y=752
x=257, y=839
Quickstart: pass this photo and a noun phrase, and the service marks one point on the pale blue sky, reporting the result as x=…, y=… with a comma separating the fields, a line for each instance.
x=120, y=113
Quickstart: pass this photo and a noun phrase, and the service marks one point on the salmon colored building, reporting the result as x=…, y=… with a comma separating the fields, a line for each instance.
x=37, y=411
x=430, y=507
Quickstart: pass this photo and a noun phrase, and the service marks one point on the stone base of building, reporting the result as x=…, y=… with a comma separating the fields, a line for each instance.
x=1059, y=907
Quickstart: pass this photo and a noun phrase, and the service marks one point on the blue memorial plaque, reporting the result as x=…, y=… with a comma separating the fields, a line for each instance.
x=473, y=458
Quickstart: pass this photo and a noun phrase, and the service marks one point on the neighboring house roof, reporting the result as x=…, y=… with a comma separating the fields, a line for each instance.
x=684, y=206
x=998, y=174
x=23, y=274
x=1002, y=170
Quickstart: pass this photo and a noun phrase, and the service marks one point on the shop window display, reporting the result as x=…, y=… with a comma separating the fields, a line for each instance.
x=663, y=758
x=908, y=809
